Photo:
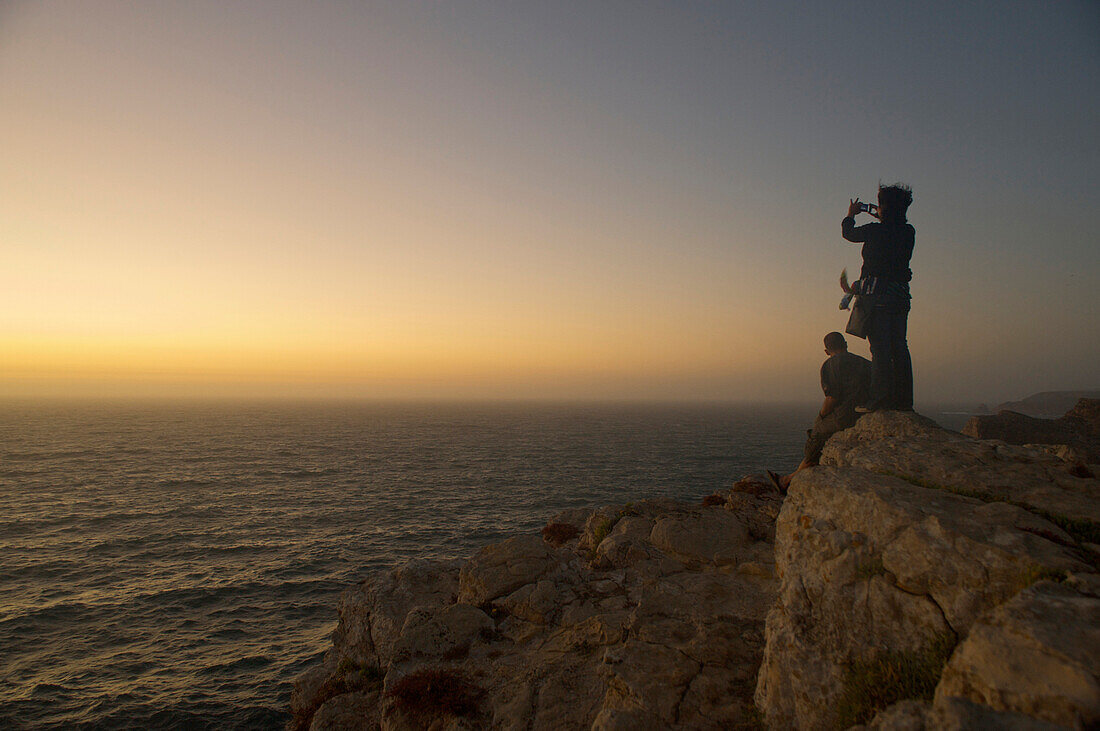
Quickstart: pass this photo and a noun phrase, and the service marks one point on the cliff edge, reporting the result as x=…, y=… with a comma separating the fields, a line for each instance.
x=919, y=579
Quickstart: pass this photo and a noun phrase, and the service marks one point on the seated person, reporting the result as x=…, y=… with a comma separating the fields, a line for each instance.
x=845, y=379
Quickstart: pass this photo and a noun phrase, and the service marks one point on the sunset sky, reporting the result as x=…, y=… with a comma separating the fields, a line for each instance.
x=537, y=200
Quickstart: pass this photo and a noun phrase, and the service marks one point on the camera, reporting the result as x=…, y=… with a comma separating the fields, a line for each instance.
x=869, y=208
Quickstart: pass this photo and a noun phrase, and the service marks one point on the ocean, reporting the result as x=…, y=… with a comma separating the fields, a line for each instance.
x=176, y=565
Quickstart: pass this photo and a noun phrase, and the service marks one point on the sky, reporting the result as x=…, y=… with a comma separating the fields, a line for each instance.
x=567, y=200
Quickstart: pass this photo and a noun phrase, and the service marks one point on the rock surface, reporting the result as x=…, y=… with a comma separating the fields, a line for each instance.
x=898, y=554
x=651, y=617
x=1078, y=431
x=919, y=579
x=1037, y=654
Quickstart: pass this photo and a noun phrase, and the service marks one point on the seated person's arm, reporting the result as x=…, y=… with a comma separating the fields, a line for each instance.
x=829, y=406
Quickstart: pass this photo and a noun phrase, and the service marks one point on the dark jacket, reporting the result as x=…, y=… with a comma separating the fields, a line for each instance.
x=887, y=248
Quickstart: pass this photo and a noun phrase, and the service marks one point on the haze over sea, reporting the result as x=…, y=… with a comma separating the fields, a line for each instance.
x=177, y=564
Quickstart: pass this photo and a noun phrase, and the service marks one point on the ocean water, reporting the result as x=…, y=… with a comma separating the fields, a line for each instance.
x=176, y=565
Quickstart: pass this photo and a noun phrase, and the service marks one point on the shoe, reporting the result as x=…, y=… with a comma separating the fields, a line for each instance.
x=864, y=410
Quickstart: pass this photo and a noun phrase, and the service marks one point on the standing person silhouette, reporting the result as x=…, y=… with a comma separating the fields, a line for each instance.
x=887, y=249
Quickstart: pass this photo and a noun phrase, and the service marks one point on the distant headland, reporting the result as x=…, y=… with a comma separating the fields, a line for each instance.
x=1048, y=404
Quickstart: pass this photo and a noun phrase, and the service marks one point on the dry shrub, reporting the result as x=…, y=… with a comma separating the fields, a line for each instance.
x=558, y=533
x=712, y=500
x=892, y=676
x=436, y=691
x=1080, y=469
x=753, y=486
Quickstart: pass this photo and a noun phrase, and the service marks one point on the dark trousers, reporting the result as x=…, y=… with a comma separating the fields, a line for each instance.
x=891, y=366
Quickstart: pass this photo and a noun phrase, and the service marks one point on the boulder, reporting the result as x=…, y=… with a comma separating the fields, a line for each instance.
x=348, y=712
x=871, y=564
x=933, y=579
x=441, y=632
x=372, y=614
x=501, y=568
x=712, y=536
x=654, y=618
x=951, y=714
x=1076, y=435
x=1014, y=428
x=1037, y=654
x=916, y=449
x=645, y=683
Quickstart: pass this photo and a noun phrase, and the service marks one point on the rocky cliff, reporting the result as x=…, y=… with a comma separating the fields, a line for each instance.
x=919, y=579
x=1047, y=404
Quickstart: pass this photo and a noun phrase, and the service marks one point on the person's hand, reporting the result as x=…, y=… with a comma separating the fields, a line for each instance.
x=853, y=207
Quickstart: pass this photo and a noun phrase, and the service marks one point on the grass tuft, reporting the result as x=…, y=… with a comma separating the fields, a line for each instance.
x=1038, y=573
x=892, y=676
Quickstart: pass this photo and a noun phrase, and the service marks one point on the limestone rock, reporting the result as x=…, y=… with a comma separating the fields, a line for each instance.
x=913, y=550
x=1037, y=654
x=372, y=614
x=1078, y=431
x=756, y=502
x=625, y=544
x=950, y=714
x=956, y=714
x=348, y=712
x=908, y=715
x=1014, y=428
x=712, y=536
x=616, y=634
x=308, y=691
x=538, y=602
x=444, y=632
x=646, y=681
x=913, y=447
x=501, y=568
x=871, y=563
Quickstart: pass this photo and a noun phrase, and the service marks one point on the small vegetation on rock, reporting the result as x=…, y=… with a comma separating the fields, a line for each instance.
x=601, y=531
x=436, y=691
x=558, y=533
x=892, y=676
x=712, y=500
x=870, y=567
x=1081, y=529
x=1042, y=573
x=604, y=527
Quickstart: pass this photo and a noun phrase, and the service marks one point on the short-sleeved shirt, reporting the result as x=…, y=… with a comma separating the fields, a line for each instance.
x=847, y=378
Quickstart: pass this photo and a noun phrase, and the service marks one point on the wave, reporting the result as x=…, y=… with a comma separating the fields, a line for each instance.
x=46, y=455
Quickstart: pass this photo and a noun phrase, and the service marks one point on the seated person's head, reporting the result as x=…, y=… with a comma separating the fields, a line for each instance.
x=893, y=202
x=835, y=343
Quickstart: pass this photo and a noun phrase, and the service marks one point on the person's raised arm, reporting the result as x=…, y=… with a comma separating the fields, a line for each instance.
x=848, y=228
